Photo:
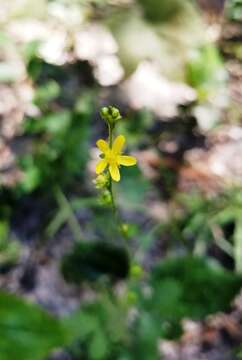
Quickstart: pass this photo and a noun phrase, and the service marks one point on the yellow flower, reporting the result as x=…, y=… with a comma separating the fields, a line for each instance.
x=113, y=158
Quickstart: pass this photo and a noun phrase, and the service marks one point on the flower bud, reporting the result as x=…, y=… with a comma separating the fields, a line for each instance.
x=105, y=198
x=101, y=181
x=125, y=229
x=131, y=298
x=136, y=271
x=111, y=115
x=115, y=113
x=104, y=112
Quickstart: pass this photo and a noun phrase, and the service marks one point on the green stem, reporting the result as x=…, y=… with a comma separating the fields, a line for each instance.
x=110, y=135
x=112, y=198
x=110, y=187
x=110, y=138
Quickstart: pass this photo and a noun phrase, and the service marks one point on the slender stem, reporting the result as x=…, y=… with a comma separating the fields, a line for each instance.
x=115, y=212
x=110, y=135
x=110, y=138
x=110, y=188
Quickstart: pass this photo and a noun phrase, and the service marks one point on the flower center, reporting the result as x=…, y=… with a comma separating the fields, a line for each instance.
x=111, y=157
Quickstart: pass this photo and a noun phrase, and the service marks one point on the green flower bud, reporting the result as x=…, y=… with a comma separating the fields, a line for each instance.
x=101, y=181
x=115, y=113
x=131, y=298
x=106, y=198
x=124, y=228
x=111, y=115
x=104, y=112
x=136, y=271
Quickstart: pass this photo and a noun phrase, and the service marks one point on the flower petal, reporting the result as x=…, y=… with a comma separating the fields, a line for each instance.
x=102, y=145
x=114, y=171
x=118, y=144
x=101, y=165
x=126, y=160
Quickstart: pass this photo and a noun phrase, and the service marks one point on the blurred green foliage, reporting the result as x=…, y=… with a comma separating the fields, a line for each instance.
x=60, y=148
x=92, y=260
x=234, y=10
x=158, y=11
x=205, y=223
x=179, y=287
x=205, y=71
x=127, y=321
x=101, y=328
x=27, y=332
x=10, y=248
x=188, y=287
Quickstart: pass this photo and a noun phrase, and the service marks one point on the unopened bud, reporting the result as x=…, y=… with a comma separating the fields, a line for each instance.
x=111, y=115
x=104, y=112
x=115, y=113
x=131, y=298
x=106, y=198
x=101, y=181
x=136, y=271
x=125, y=229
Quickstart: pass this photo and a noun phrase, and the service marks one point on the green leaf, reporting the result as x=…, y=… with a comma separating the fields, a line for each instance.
x=159, y=11
x=189, y=287
x=47, y=93
x=98, y=346
x=143, y=337
x=205, y=71
x=90, y=260
x=9, y=247
x=234, y=10
x=80, y=324
x=31, y=179
x=238, y=244
x=27, y=332
x=4, y=229
x=98, y=327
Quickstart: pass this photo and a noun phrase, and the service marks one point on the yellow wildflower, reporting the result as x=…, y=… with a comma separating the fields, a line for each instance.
x=113, y=158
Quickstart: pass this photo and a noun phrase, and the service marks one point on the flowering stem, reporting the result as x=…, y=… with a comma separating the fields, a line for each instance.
x=114, y=207
x=112, y=159
x=110, y=135
x=110, y=138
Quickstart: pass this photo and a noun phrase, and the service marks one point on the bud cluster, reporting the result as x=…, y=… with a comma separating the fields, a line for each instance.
x=102, y=181
x=110, y=115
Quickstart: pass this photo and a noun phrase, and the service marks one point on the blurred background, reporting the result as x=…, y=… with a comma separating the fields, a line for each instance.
x=70, y=287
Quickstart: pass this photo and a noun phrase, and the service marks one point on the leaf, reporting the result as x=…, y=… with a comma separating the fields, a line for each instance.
x=160, y=11
x=238, y=245
x=205, y=71
x=234, y=10
x=99, y=346
x=145, y=337
x=27, y=332
x=9, y=247
x=46, y=93
x=98, y=327
x=89, y=261
x=31, y=178
x=189, y=287
x=80, y=324
x=60, y=145
x=56, y=123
